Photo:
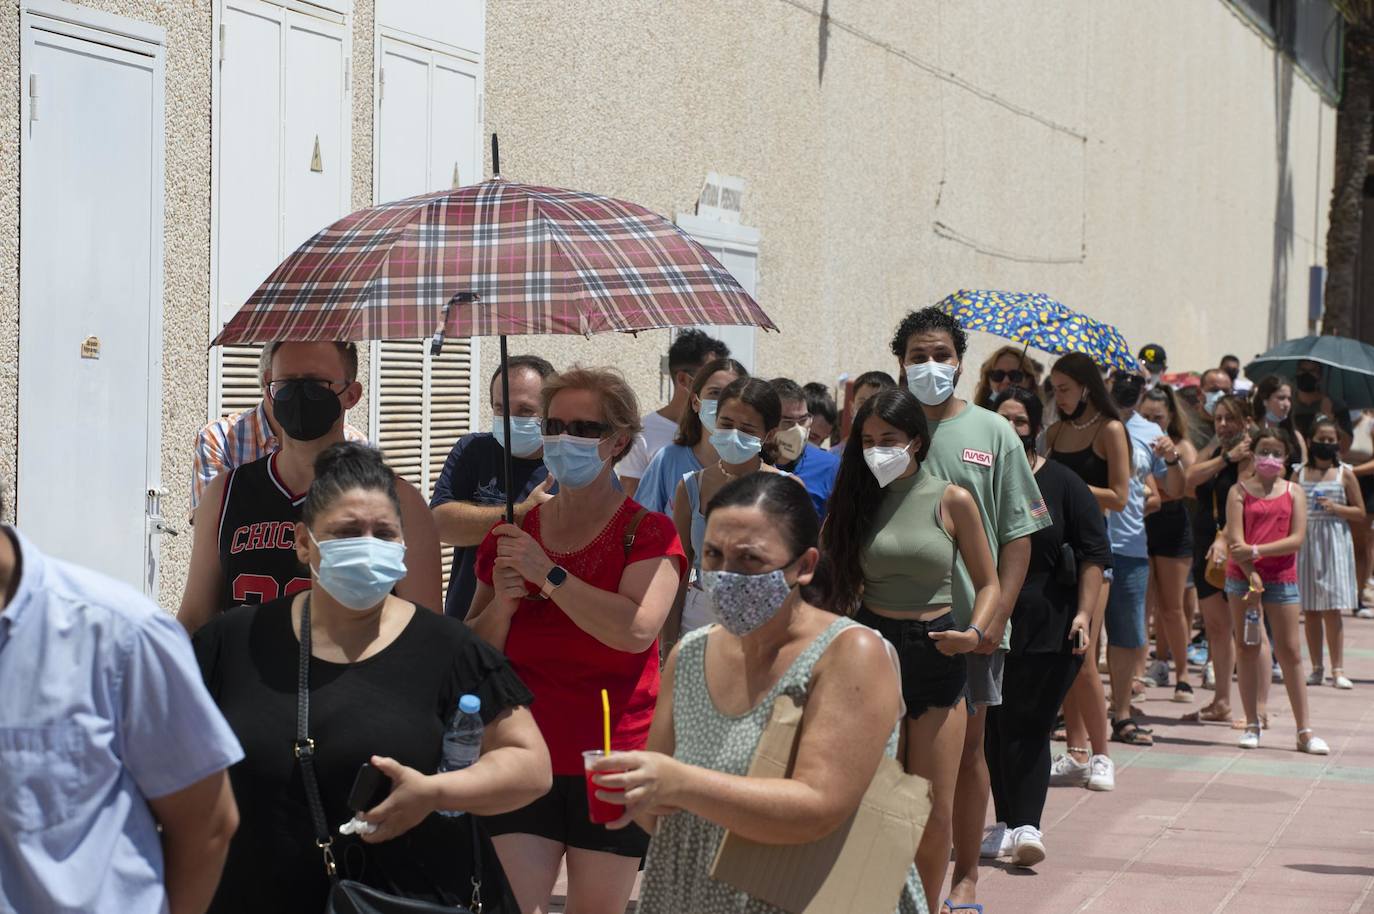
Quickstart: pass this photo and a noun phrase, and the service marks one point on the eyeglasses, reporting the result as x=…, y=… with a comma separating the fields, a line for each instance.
x=793, y=421
x=577, y=428
x=1015, y=376
x=311, y=387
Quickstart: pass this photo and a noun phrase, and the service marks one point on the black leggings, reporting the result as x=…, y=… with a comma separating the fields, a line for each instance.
x=1017, y=739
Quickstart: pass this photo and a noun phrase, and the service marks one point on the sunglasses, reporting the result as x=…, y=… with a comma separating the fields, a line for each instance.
x=577, y=428
x=310, y=388
x=1015, y=376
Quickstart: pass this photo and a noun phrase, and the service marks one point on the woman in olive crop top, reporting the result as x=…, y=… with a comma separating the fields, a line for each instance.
x=894, y=533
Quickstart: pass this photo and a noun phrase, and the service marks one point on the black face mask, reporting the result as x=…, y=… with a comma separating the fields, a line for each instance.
x=1126, y=391
x=1232, y=373
x=1325, y=450
x=1078, y=410
x=1028, y=442
x=1308, y=383
x=306, y=410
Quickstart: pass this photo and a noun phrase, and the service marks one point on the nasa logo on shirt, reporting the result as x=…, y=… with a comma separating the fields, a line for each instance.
x=980, y=458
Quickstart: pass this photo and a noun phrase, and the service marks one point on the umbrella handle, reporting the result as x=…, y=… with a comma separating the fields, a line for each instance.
x=508, y=463
x=495, y=157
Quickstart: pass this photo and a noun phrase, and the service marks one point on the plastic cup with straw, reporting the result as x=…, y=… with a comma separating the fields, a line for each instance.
x=599, y=810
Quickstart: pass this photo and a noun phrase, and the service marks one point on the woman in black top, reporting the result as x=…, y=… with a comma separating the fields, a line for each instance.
x=1090, y=440
x=385, y=679
x=1049, y=634
x=1220, y=463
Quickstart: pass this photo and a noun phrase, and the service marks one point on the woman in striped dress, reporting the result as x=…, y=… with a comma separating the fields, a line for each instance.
x=1326, y=564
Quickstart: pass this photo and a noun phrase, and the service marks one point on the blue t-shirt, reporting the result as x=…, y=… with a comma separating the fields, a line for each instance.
x=1127, y=528
x=658, y=485
x=474, y=472
x=816, y=469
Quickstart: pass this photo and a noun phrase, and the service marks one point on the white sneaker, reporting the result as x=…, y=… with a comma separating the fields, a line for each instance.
x=1313, y=745
x=1364, y=613
x=1027, y=846
x=1340, y=680
x=996, y=841
x=1101, y=775
x=1067, y=771
x=1209, y=677
x=1250, y=738
x=1316, y=677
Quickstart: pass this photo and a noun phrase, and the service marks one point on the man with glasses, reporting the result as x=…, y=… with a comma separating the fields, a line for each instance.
x=245, y=547
x=470, y=495
x=796, y=455
x=241, y=437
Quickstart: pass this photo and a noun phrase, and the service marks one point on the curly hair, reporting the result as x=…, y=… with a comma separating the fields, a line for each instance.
x=926, y=320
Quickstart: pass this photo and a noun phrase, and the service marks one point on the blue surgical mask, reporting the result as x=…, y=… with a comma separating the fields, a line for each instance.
x=1272, y=418
x=734, y=446
x=707, y=414
x=525, y=432
x=574, y=462
x=931, y=382
x=1209, y=405
x=359, y=571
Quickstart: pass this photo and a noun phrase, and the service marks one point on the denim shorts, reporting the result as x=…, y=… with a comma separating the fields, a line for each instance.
x=929, y=678
x=1126, y=601
x=1279, y=593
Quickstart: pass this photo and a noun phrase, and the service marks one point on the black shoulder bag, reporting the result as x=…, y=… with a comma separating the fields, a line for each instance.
x=345, y=895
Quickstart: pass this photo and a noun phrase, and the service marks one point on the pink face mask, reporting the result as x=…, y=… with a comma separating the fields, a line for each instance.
x=1268, y=467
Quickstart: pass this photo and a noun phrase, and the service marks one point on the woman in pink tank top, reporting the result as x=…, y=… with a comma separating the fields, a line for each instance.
x=1266, y=522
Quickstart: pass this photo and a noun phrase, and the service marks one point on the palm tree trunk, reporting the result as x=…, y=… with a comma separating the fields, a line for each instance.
x=1353, y=132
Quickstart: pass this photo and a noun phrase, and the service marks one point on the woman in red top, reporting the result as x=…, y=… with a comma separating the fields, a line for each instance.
x=575, y=597
x=1266, y=522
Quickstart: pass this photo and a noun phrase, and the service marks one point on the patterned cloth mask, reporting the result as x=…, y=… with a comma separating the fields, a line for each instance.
x=744, y=603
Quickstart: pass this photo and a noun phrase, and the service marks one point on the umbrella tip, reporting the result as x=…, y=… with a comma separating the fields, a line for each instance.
x=495, y=156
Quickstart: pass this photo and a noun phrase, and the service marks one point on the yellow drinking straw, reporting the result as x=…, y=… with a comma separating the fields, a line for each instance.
x=606, y=720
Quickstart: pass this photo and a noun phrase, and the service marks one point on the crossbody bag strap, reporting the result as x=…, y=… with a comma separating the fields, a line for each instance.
x=305, y=748
x=632, y=528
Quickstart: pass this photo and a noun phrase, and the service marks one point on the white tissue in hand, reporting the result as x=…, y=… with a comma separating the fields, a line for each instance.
x=356, y=826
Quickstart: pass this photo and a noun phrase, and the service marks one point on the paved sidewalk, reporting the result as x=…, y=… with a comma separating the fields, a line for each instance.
x=1198, y=825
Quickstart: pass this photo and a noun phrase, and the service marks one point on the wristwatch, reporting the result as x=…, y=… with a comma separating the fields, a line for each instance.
x=555, y=578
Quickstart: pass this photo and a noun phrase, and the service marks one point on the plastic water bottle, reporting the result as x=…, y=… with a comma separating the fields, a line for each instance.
x=462, y=740
x=1252, y=626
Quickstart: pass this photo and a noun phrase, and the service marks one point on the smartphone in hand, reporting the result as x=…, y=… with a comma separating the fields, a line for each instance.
x=1080, y=640
x=370, y=787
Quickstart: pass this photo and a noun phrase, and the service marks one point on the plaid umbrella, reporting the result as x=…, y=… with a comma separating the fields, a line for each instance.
x=1035, y=319
x=492, y=259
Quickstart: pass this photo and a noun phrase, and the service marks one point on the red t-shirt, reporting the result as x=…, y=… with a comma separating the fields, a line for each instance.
x=565, y=667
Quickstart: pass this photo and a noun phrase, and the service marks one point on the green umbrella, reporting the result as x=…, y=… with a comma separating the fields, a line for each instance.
x=1347, y=366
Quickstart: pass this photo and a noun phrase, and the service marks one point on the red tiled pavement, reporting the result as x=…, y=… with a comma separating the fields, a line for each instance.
x=1197, y=825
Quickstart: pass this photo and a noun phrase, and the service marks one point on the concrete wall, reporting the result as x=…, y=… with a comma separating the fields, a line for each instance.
x=1157, y=165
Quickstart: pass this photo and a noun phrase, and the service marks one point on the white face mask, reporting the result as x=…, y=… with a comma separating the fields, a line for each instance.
x=887, y=463
x=931, y=382
x=791, y=443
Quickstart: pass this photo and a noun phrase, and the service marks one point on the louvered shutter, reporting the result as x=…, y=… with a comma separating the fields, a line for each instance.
x=424, y=405
x=238, y=375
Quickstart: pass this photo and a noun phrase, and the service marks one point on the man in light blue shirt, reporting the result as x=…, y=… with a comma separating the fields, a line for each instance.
x=106, y=732
x=1154, y=466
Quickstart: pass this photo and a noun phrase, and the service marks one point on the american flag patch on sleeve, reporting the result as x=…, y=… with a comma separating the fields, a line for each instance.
x=1038, y=508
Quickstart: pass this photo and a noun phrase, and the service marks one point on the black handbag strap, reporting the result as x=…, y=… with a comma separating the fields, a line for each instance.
x=305, y=753
x=305, y=748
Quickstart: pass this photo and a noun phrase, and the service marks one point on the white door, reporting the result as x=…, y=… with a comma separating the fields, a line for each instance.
x=90, y=285
x=737, y=249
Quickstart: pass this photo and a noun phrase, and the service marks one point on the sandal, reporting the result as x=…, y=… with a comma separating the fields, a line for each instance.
x=1211, y=712
x=1240, y=724
x=950, y=906
x=1183, y=693
x=1340, y=680
x=1129, y=732
x=1251, y=737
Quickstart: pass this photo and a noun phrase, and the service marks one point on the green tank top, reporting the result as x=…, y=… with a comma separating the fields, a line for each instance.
x=908, y=556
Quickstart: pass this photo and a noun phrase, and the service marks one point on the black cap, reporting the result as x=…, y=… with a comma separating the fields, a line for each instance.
x=1153, y=356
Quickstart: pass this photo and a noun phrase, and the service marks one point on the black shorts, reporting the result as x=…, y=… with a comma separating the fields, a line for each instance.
x=929, y=678
x=1367, y=490
x=562, y=815
x=1169, y=532
x=1201, y=543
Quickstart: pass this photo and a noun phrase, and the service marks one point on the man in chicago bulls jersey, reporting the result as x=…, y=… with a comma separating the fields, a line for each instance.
x=245, y=547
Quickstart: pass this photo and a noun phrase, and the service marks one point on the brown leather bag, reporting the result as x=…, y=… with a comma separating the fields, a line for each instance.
x=1216, y=572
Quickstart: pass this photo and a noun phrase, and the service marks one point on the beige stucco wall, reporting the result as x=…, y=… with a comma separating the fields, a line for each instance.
x=1156, y=165
x=1124, y=157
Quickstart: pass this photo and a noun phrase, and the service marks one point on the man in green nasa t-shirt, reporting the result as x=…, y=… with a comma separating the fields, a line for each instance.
x=976, y=450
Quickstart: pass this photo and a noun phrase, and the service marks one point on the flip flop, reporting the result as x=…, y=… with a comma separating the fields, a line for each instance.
x=952, y=907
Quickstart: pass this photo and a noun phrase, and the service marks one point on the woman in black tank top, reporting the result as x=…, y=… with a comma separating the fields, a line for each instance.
x=1090, y=440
